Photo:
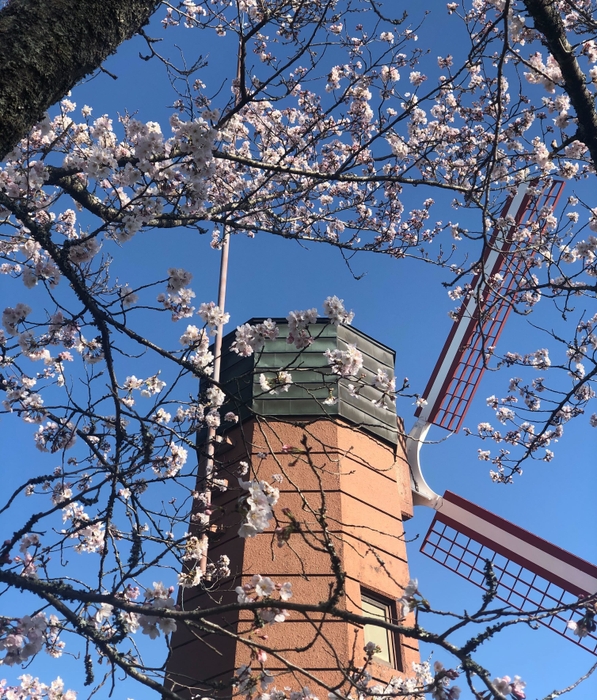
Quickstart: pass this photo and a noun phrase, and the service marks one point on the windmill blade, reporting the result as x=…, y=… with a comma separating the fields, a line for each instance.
x=482, y=315
x=531, y=573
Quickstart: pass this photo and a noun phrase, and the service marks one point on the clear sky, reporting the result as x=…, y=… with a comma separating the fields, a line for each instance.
x=402, y=304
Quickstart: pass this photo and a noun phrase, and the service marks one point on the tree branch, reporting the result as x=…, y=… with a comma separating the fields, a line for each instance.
x=548, y=21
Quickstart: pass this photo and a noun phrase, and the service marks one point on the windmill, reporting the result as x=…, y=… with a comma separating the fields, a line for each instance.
x=531, y=573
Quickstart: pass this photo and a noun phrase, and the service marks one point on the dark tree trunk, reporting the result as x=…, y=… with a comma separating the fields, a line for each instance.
x=548, y=20
x=47, y=46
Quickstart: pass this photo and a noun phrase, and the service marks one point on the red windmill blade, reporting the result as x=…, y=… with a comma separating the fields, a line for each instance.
x=480, y=321
x=531, y=573
x=477, y=328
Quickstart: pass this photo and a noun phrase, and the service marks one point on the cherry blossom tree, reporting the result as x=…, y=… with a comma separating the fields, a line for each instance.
x=339, y=126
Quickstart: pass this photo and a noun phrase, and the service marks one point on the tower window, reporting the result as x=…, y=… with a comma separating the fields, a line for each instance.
x=383, y=608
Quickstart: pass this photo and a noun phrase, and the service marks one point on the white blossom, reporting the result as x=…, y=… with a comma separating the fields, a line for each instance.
x=258, y=503
x=213, y=316
x=346, y=363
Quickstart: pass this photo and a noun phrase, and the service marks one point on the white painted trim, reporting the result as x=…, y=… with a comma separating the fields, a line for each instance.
x=422, y=493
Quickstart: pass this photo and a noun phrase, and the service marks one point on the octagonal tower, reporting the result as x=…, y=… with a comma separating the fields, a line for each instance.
x=337, y=457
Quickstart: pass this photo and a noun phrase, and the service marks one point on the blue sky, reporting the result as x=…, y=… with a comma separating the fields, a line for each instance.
x=402, y=304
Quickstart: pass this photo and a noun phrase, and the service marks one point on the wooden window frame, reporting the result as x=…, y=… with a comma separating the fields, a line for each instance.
x=390, y=614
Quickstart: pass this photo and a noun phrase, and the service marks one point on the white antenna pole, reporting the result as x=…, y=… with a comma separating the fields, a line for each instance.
x=207, y=472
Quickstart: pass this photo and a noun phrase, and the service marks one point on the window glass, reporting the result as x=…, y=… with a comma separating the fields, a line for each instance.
x=378, y=635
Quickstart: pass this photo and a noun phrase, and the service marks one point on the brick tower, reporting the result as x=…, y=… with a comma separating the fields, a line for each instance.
x=344, y=491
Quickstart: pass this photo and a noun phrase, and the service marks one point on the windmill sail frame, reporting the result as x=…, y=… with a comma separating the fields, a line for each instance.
x=531, y=573
x=482, y=315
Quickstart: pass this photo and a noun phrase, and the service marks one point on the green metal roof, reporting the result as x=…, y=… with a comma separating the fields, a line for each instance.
x=313, y=380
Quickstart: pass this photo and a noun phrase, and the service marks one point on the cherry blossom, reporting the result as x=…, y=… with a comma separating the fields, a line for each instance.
x=335, y=311
x=33, y=689
x=213, y=316
x=298, y=323
x=346, y=363
x=281, y=382
x=507, y=686
x=363, y=147
x=258, y=503
x=250, y=339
